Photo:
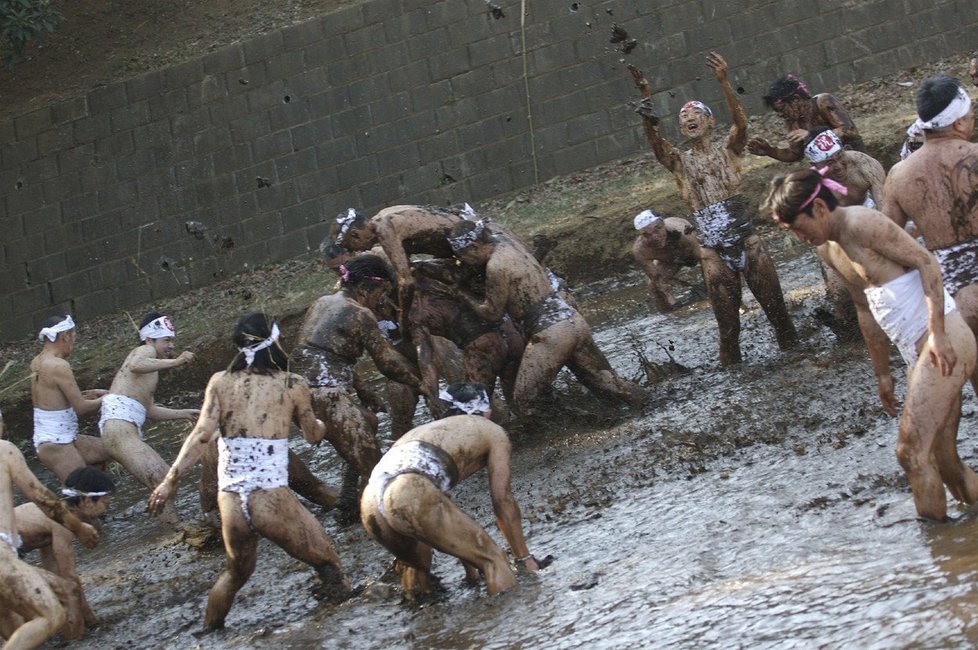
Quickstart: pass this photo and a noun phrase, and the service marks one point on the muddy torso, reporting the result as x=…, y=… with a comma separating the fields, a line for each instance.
x=679, y=248
x=707, y=177
x=335, y=324
x=447, y=317
x=466, y=438
x=937, y=187
x=253, y=405
x=861, y=266
x=420, y=230
x=517, y=276
x=139, y=386
x=861, y=173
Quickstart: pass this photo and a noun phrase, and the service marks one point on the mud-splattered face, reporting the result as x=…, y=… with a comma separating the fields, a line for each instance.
x=475, y=254
x=90, y=509
x=811, y=229
x=837, y=165
x=359, y=239
x=163, y=347
x=694, y=123
x=654, y=235
x=792, y=109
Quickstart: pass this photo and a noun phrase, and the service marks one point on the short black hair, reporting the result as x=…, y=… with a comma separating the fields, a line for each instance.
x=251, y=330
x=465, y=392
x=88, y=479
x=784, y=88
x=365, y=268
x=934, y=94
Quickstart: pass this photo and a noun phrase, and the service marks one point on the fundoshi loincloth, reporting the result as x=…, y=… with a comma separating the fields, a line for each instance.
x=414, y=457
x=548, y=311
x=11, y=540
x=959, y=264
x=55, y=427
x=321, y=368
x=248, y=464
x=724, y=226
x=900, y=308
x=122, y=407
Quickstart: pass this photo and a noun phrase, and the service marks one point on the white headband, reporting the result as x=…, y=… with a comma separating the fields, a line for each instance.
x=696, y=104
x=478, y=404
x=71, y=492
x=645, y=218
x=250, y=351
x=469, y=212
x=823, y=146
x=954, y=111
x=345, y=222
x=160, y=328
x=51, y=333
x=465, y=240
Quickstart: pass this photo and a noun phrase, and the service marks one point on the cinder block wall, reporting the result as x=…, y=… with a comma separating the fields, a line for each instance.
x=169, y=181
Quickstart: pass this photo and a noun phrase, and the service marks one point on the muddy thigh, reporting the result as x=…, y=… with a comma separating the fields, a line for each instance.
x=278, y=516
x=350, y=428
x=26, y=593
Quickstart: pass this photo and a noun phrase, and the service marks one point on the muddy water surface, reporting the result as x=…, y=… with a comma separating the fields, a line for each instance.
x=755, y=507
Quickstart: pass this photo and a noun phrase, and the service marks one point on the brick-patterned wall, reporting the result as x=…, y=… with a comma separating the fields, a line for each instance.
x=143, y=189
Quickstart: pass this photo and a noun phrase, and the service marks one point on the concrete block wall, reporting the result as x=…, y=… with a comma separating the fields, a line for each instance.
x=172, y=180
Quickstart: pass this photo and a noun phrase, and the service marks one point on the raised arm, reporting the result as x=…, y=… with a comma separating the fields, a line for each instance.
x=737, y=139
x=663, y=151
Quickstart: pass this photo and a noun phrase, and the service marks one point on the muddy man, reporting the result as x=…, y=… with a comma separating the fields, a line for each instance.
x=251, y=407
x=710, y=179
x=407, y=509
x=896, y=287
x=663, y=246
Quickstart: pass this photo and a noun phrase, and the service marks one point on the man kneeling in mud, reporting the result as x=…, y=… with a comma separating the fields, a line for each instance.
x=873, y=255
x=556, y=333
x=406, y=506
x=87, y=491
x=251, y=406
x=663, y=246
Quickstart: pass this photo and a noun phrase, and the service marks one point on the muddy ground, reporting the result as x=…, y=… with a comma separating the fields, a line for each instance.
x=760, y=506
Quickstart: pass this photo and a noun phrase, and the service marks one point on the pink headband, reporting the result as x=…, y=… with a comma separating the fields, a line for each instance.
x=823, y=182
x=345, y=275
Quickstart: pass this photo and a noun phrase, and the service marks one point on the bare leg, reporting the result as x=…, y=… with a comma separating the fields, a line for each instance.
x=241, y=546
x=592, y=369
x=351, y=429
x=764, y=284
x=122, y=443
x=27, y=594
x=419, y=510
x=402, y=401
x=723, y=289
x=303, y=538
x=208, y=484
x=925, y=445
x=304, y=482
x=69, y=594
x=545, y=354
x=967, y=301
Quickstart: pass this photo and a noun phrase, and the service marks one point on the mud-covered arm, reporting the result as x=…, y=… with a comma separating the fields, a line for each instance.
x=157, y=412
x=793, y=152
x=663, y=151
x=421, y=339
x=194, y=445
x=493, y=306
x=737, y=139
x=312, y=428
x=835, y=115
x=508, y=515
x=388, y=360
x=390, y=240
x=658, y=273
x=46, y=500
x=145, y=362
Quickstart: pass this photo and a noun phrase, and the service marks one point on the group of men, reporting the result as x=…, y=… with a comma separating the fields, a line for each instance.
x=483, y=308
x=923, y=298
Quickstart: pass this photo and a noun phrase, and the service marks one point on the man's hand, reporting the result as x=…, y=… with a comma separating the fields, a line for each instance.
x=940, y=353
x=798, y=136
x=86, y=534
x=185, y=357
x=190, y=414
x=94, y=393
x=759, y=147
x=159, y=496
x=715, y=61
x=646, y=108
x=884, y=385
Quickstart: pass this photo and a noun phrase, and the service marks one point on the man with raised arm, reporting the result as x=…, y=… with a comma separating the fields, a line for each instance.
x=710, y=180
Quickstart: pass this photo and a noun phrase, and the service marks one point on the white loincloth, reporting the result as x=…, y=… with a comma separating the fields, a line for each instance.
x=55, y=427
x=413, y=457
x=11, y=540
x=900, y=308
x=248, y=464
x=122, y=407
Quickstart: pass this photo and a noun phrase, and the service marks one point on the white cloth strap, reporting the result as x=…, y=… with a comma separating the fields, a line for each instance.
x=51, y=333
x=160, y=328
x=56, y=427
x=250, y=351
x=953, y=112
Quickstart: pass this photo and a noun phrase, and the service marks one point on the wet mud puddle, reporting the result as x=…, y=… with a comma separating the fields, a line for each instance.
x=755, y=507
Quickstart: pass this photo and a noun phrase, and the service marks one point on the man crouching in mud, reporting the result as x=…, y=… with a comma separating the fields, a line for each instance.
x=30, y=611
x=710, y=180
x=336, y=331
x=406, y=506
x=873, y=255
x=663, y=246
x=251, y=406
x=556, y=334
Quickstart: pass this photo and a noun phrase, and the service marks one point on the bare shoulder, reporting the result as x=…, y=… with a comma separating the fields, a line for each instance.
x=864, y=160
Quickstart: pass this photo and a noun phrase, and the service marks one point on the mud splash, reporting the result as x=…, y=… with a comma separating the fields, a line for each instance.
x=755, y=507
